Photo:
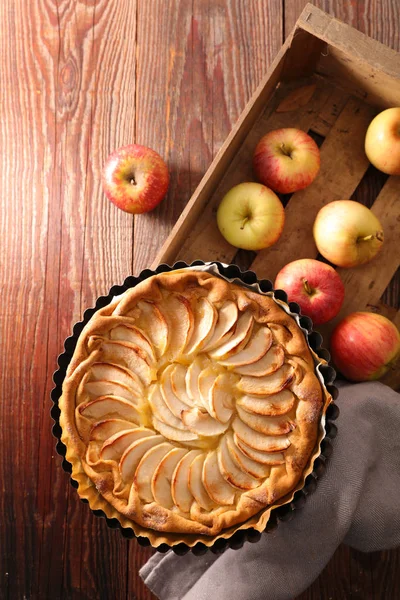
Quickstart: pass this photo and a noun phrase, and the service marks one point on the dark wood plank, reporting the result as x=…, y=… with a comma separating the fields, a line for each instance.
x=95, y=116
x=96, y=40
x=66, y=244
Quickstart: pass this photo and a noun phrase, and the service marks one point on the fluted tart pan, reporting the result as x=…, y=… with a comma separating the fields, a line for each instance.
x=251, y=528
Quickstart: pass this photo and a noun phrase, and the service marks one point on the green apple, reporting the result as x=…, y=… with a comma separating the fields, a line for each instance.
x=251, y=216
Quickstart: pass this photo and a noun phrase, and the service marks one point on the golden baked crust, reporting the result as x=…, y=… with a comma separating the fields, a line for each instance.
x=190, y=404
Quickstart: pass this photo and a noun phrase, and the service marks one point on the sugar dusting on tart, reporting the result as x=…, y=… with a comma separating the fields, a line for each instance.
x=190, y=404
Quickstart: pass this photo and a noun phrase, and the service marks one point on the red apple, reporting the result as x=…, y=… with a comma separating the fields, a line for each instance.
x=135, y=178
x=347, y=233
x=315, y=286
x=364, y=346
x=286, y=160
x=382, y=142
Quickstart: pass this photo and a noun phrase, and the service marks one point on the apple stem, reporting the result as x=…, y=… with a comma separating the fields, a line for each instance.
x=285, y=151
x=378, y=235
x=244, y=222
x=307, y=286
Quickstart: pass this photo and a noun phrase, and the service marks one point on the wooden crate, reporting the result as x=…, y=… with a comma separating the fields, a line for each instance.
x=330, y=80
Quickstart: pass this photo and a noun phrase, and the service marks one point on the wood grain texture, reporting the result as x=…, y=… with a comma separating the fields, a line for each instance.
x=79, y=78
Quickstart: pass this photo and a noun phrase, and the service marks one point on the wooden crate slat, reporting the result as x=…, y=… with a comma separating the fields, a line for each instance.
x=205, y=239
x=326, y=119
x=365, y=284
x=343, y=164
x=385, y=310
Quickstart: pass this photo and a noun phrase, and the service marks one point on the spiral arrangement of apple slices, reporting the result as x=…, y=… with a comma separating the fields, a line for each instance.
x=191, y=402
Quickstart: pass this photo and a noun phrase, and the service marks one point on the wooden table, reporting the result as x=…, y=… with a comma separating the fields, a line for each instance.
x=77, y=80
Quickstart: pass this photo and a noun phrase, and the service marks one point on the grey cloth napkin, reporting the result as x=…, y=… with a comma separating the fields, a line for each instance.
x=357, y=501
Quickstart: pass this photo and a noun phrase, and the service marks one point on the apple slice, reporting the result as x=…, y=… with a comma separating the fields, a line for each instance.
x=220, y=400
x=103, y=430
x=130, y=356
x=161, y=410
x=205, y=319
x=175, y=405
x=217, y=488
x=146, y=468
x=269, y=363
x=265, y=458
x=133, y=335
x=161, y=481
x=178, y=384
x=272, y=406
x=105, y=406
x=110, y=372
x=238, y=340
x=171, y=433
x=116, y=445
x=192, y=381
x=196, y=485
x=266, y=425
x=150, y=319
x=231, y=473
x=202, y=423
x=270, y=384
x=179, y=316
x=257, y=347
x=205, y=382
x=180, y=491
x=258, y=441
x=133, y=455
x=246, y=464
x=110, y=388
x=227, y=318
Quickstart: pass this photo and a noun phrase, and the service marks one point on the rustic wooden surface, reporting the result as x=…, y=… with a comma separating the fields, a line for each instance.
x=78, y=79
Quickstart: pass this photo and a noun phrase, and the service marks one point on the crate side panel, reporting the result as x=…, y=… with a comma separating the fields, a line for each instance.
x=359, y=78
x=360, y=64
x=303, y=55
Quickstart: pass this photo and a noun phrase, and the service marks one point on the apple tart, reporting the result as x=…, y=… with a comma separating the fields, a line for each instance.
x=190, y=405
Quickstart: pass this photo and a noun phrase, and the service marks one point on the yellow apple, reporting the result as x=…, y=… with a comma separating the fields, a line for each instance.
x=382, y=142
x=347, y=233
x=251, y=216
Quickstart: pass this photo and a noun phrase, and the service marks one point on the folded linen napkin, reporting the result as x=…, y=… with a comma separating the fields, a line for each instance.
x=357, y=501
